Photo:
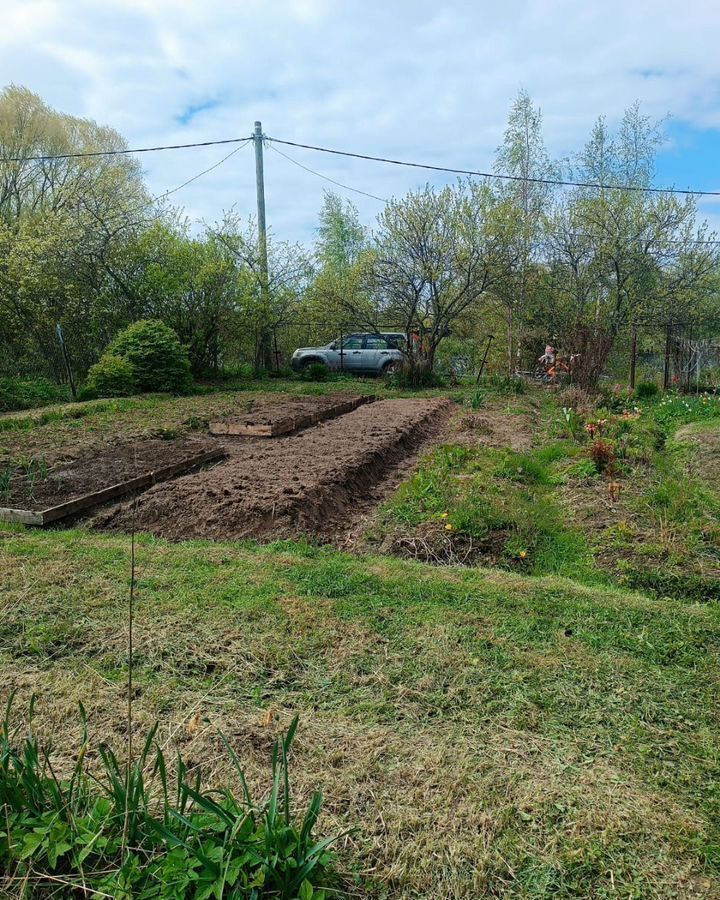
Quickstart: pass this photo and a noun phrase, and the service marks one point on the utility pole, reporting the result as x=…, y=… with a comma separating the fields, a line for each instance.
x=264, y=351
x=66, y=359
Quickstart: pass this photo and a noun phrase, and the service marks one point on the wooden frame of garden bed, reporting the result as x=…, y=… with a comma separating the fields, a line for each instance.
x=238, y=428
x=87, y=501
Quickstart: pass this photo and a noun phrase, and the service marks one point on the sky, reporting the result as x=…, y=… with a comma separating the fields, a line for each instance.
x=423, y=81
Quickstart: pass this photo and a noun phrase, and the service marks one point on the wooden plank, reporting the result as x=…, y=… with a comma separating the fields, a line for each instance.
x=287, y=426
x=23, y=516
x=87, y=501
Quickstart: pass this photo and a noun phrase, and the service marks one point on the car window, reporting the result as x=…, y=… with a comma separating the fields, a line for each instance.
x=375, y=342
x=354, y=342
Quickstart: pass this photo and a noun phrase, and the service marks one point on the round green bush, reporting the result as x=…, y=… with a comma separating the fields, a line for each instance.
x=159, y=360
x=113, y=376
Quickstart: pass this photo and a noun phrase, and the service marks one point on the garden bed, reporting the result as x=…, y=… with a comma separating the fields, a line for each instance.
x=307, y=483
x=37, y=493
x=273, y=419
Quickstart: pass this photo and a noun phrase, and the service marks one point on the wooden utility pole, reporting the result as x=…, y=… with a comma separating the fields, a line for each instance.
x=633, y=357
x=668, y=348
x=264, y=350
x=66, y=360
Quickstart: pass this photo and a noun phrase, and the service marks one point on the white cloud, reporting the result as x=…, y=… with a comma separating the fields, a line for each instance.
x=408, y=79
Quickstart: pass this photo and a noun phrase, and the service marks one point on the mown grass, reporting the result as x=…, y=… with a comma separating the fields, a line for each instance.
x=487, y=732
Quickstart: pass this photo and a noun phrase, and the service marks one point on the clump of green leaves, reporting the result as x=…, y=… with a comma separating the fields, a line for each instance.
x=132, y=834
x=646, y=389
x=113, y=376
x=28, y=393
x=315, y=371
x=477, y=401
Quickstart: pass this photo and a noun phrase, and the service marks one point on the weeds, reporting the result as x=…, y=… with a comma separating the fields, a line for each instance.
x=191, y=841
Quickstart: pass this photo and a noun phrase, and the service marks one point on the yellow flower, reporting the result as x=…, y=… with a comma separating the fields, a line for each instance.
x=448, y=527
x=523, y=554
x=444, y=516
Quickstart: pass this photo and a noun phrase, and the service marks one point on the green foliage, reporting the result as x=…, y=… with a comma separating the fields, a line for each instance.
x=407, y=378
x=28, y=393
x=113, y=376
x=495, y=505
x=158, y=359
x=477, y=401
x=663, y=583
x=504, y=384
x=315, y=371
x=129, y=833
x=646, y=390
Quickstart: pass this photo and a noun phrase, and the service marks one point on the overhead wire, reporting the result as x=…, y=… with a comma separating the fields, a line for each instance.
x=478, y=174
x=123, y=152
x=346, y=187
x=558, y=182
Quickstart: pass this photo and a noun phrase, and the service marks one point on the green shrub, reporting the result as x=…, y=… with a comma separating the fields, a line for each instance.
x=113, y=376
x=477, y=401
x=28, y=393
x=504, y=384
x=159, y=361
x=114, y=833
x=405, y=378
x=315, y=371
x=646, y=389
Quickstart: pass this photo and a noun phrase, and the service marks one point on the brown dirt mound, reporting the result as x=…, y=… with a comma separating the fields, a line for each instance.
x=36, y=486
x=304, y=483
x=283, y=416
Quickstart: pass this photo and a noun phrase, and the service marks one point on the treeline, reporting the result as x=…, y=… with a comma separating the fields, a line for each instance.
x=85, y=246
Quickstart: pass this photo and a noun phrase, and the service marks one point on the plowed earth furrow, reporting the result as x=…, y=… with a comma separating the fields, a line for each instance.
x=307, y=483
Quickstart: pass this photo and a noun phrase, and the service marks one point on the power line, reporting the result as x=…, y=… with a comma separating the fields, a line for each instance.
x=549, y=181
x=557, y=182
x=200, y=174
x=326, y=177
x=91, y=153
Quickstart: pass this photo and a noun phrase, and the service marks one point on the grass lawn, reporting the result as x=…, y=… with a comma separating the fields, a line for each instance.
x=519, y=726
x=484, y=731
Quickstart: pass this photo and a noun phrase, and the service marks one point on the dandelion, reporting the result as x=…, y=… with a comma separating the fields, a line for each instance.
x=523, y=554
x=449, y=527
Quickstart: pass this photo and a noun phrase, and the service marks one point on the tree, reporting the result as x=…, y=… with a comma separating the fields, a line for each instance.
x=619, y=252
x=266, y=301
x=433, y=258
x=342, y=243
x=57, y=219
x=521, y=208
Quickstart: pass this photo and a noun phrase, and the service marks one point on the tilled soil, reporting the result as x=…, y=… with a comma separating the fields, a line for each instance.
x=283, y=415
x=307, y=483
x=35, y=486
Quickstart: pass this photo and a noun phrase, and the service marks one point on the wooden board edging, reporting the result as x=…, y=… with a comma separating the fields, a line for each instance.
x=287, y=426
x=87, y=501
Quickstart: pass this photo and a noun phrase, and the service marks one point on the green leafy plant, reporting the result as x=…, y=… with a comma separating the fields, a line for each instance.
x=158, y=359
x=126, y=832
x=113, y=376
x=646, y=389
x=28, y=393
x=477, y=401
x=315, y=372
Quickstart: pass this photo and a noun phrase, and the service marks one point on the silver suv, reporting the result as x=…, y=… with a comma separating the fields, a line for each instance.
x=363, y=353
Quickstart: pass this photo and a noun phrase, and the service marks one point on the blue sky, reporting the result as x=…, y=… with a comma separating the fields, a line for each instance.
x=417, y=80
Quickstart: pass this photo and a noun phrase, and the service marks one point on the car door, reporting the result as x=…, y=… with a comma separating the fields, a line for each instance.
x=352, y=353
x=375, y=353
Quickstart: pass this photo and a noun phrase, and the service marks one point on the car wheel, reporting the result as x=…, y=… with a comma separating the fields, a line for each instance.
x=390, y=368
